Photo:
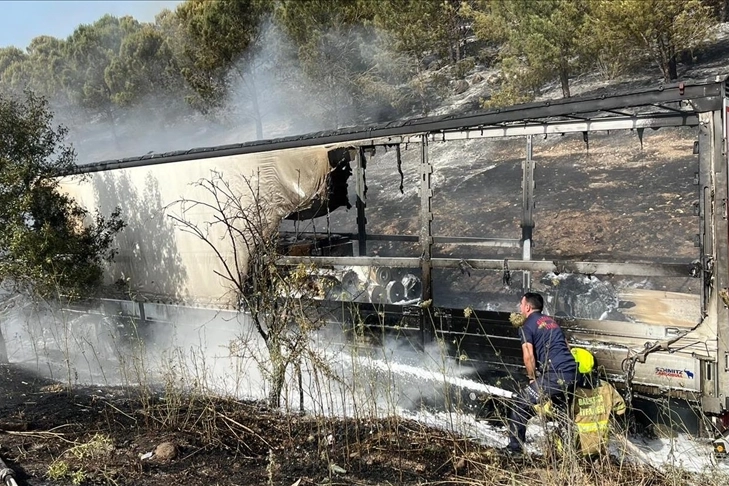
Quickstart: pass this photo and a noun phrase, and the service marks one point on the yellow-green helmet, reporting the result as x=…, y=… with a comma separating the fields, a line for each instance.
x=585, y=360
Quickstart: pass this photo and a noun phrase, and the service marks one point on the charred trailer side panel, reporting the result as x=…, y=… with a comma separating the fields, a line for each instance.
x=410, y=279
x=160, y=261
x=673, y=358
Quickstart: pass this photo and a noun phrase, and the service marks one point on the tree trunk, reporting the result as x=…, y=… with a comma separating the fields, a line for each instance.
x=278, y=372
x=667, y=55
x=278, y=378
x=300, y=379
x=564, y=79
x=250, y=85
x=110, y=115
x=669, y=67
x=3, y=350
x=672, y=68
x=256, y=109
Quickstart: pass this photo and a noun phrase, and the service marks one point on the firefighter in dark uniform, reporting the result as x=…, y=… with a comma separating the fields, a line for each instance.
x=550, y=367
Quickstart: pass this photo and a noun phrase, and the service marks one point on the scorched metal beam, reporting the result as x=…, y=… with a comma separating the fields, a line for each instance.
x=549, y=128
x=587, y=268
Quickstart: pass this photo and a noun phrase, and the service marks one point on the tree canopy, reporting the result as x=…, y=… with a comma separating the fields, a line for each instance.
x=360, y=59
x=665, y=29
x=541, y=40
x=48, y=246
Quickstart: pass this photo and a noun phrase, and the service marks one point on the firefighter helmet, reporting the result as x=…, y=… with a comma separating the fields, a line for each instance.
x=585, y=360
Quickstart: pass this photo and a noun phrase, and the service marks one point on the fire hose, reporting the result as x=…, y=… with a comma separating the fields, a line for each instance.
x=7, y=475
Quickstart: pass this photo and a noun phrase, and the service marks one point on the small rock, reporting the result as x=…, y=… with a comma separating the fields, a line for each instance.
x=166, y=451
x=476, y=79
x=494, y=78
x=428, y=60
x=461, y=86
x=336, y=469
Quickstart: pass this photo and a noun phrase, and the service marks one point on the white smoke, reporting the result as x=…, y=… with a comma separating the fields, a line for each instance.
x=266, y=84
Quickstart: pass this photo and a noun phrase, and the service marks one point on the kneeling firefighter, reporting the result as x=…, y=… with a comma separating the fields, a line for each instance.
x=594, y=401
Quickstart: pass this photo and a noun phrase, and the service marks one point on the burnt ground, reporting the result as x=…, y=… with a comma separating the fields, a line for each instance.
x=219, y=441
x=52, y=436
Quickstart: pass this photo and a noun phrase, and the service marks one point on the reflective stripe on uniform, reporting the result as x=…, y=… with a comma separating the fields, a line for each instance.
x=589, y=427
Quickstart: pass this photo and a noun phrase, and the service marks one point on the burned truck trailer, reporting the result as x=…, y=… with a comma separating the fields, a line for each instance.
x=613, y=206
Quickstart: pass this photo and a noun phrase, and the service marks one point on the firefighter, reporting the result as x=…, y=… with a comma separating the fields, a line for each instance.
x=594, y=402
x=550, y=366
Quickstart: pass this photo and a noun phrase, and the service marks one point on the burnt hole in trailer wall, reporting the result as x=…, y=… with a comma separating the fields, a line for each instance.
x=477, y=192
x=623, y=199
x=388, y=211
x=340, y=160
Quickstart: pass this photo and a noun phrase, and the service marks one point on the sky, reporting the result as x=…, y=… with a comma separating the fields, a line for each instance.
x=21, y=21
